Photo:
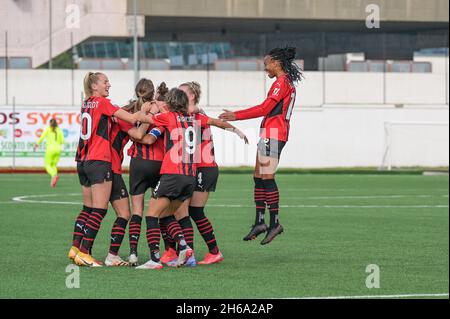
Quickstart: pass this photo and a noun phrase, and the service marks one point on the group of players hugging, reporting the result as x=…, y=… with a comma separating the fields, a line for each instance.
x=172, y=154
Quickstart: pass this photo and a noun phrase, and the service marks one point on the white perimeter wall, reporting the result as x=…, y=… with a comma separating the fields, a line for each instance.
x=339, y=126
x=225, y=88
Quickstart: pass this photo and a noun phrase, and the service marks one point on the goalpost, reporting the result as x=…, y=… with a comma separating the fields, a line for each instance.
x=415, y=144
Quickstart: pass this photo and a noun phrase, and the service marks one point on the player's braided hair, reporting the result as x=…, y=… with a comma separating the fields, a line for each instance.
x=194, y=88
x=177, y=101
x=286, y=58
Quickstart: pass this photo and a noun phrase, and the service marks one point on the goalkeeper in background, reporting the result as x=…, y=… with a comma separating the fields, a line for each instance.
x=54, y=138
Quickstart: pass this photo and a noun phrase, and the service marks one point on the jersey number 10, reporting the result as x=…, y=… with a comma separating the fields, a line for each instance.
x=86, y=126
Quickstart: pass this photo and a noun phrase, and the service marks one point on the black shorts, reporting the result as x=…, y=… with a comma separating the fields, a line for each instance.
x=206, y=180
x=144, y=174
x=175, y=187
x=94, y=172
x=119, y=190
x=270, y=147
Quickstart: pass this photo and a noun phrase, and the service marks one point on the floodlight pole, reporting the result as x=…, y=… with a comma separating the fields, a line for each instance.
x=135, y=44
x=6, y=67
x=50, y=62
x=14, y=134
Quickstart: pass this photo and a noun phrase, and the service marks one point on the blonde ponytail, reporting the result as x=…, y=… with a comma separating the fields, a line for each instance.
x=89, y=79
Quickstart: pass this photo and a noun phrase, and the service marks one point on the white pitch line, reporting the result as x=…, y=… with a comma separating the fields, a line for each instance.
x=375, y=296
x=23, y=199
x=26, y=199
x=376, y=196
x=337, y=206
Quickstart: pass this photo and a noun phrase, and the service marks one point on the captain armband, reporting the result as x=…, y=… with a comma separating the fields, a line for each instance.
x=155, y=132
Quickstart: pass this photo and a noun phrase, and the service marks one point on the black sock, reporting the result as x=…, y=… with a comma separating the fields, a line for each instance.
x=117, y=234
x=259, y=195
x=134, y=232
x=80, y=222
x=153, y=237
x=273, y=199
x=91, y=228
x=204, y=227
x=174, y=230
x=168, y=241
x=188, y=230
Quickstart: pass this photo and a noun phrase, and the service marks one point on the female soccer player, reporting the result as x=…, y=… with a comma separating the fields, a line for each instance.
x=277, y=110
x=121, y=132
x=94, y=163
x=145, y=164
x=206, y=181
x=54, y=138
x=178, y=173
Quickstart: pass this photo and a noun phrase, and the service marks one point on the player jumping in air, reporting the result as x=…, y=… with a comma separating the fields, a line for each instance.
x=276, y=110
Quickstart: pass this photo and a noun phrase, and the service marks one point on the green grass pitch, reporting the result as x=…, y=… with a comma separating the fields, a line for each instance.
x=335, y=225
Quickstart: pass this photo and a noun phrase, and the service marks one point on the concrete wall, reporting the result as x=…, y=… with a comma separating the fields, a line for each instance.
x=220, y=88
x=398, y=10
x=347, y=130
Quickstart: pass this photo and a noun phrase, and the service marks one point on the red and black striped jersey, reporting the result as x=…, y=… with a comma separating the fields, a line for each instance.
x=276, y=109
x=119, y=138
x=181, y=132
x=206, y=149
x=94, y=144
x=153, y=152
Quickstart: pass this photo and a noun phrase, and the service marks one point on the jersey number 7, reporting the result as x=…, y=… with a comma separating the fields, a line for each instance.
x=291, y=107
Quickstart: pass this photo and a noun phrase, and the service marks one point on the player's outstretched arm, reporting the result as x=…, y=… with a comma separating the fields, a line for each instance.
x=227, y=126
x=133, y=118
x=250, y=113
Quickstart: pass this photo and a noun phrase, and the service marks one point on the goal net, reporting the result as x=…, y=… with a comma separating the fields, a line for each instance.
x=415, y=144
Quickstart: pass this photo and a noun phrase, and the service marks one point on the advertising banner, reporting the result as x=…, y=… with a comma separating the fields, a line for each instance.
x=21, y=127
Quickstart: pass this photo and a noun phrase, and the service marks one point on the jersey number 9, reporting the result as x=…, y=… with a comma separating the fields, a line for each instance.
x=189, y=138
